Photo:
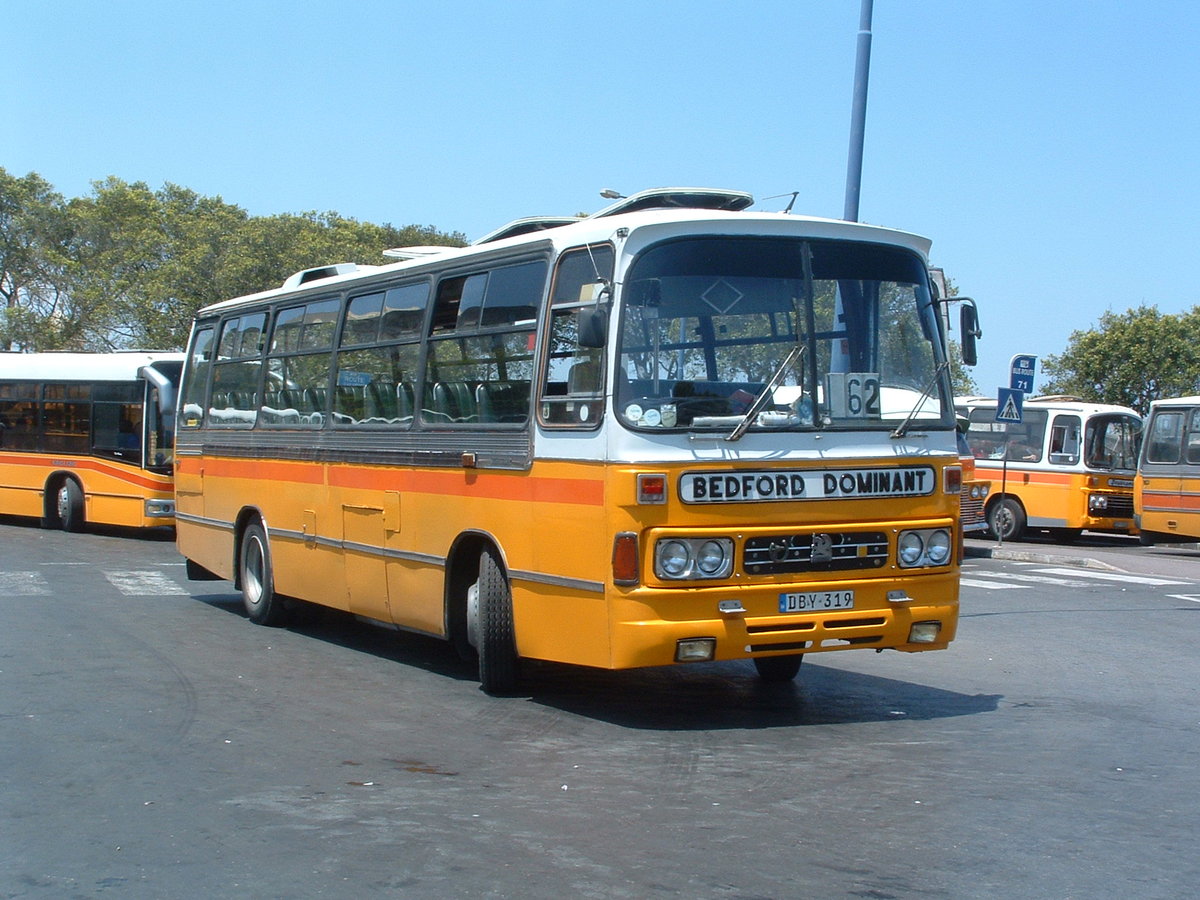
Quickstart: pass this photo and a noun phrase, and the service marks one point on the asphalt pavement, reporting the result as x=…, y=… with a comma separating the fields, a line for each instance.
x=1097, y=551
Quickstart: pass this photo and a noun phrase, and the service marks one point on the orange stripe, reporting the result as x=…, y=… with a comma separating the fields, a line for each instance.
x=457, y=483
x=145, y=480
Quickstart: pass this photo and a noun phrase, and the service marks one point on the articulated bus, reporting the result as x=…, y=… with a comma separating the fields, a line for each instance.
x=669, y=432
x=1066, y=467
x=88, y=437
x=1167, y=487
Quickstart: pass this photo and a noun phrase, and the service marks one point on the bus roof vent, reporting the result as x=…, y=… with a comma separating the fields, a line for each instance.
x=677, y=198
x=306, y=275
x=525, y=226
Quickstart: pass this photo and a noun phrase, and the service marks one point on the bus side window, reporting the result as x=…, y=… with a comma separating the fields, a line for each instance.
x=1064, y=440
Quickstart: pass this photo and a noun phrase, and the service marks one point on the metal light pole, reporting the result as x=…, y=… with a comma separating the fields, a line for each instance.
x=858, y=113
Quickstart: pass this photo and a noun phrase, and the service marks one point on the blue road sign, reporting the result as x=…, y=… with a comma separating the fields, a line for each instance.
x=1008, y=405
x=1022, y=372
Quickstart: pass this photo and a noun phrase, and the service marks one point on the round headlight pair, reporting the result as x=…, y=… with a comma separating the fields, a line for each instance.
x=930, y=548
x=679, y=558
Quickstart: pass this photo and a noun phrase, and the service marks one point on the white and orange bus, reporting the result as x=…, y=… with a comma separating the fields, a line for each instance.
x=87, y=437
x=1167, y=487
x=672, y=431
x=1068, y=466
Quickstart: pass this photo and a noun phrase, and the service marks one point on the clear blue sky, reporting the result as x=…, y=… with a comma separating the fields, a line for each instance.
x=1048, y=148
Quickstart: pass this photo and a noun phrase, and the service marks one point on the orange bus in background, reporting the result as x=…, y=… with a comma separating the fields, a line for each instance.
x=1167, y=488
x=88, y=437
x=673, y=431
x=1068, y=466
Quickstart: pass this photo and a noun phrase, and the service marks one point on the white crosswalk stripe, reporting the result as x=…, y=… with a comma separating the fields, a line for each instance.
x=143, y=584
x=1115, y=576
x=23, y=584
x=1056, y=577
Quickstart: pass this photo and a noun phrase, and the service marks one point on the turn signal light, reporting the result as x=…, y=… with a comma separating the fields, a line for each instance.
x=625, y=559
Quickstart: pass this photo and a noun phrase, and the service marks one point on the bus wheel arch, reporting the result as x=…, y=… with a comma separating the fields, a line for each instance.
x=64, y=505
x=1006, y=517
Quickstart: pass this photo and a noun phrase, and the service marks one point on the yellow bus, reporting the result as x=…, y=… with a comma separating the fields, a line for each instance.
x=87, y=437
x=1068, y=466
x=1167, y=487
x=672, y=431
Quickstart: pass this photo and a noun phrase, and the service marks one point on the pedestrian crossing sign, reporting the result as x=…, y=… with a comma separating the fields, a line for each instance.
x=1008, y=405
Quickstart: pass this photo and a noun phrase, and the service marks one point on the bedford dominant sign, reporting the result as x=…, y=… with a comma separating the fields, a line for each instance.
x=750, y=486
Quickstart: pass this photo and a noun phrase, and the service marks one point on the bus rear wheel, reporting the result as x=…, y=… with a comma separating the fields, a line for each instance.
x=776, y=669
x=263, y=605
x=68, y=505
x=490, y=624
x=1006, y=519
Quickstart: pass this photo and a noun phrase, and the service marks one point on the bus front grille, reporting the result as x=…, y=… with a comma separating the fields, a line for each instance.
x=816, y=552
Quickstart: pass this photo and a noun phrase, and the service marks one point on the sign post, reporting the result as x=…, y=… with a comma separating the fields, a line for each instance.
x=1009, y=410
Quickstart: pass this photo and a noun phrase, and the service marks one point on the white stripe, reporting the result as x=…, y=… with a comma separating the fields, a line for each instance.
x=1036, y=579
x=23, y=584
x=1112, y=576
x=990, y=585
x=143, y=584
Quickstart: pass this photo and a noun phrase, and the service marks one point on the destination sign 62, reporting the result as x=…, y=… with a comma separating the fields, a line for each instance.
x=805, y=484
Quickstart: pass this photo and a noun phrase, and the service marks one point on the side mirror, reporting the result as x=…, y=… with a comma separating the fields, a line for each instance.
x=969, y=329
x=593, y=326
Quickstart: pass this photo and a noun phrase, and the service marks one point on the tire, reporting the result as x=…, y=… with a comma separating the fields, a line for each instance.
x=1006, y=519
x=495, y=636
x=69, y=505
x=777, y=669
x=263, y=605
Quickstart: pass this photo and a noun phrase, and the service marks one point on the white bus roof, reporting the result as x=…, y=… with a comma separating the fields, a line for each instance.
x=657, y=221
x=1055, y=402
x=1176, y=401
x=122, y=365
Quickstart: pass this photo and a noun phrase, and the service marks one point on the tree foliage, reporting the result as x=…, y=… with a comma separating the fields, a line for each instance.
x=1130, y=359
x=128, y=266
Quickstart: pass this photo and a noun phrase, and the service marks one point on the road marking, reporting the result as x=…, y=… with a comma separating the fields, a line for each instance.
x=143, y=584
x=1192, y=598
x=23, y=584
x=1036, y=579
x=1113, y=576
x=991, y=585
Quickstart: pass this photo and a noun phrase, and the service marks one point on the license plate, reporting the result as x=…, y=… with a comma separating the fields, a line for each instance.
x=811, y=601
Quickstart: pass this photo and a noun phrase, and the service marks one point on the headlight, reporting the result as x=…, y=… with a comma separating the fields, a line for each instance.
x=1098, y=502
x=910, y=547
x=710, y=559
x=924, y=547
x=937, y=548
x=674, y=558
x=693, y=558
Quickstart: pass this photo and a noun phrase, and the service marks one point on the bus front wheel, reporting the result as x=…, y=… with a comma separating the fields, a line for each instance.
x=263, y=605
x=1006, y=519
x=775, y=669
x=490, y=625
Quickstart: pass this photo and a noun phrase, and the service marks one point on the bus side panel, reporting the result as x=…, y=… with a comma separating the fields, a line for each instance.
x=1169, y=501
x=113, y=494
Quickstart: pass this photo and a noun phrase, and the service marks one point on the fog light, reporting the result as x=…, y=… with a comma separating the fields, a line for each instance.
x=924, y=632
x=695, y=649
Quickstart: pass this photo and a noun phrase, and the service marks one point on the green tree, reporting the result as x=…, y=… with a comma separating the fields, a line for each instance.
x=129, y=266
x=33, y=231
x=1130, y=359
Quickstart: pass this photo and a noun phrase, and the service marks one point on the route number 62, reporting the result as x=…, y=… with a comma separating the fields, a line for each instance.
x=854, y=395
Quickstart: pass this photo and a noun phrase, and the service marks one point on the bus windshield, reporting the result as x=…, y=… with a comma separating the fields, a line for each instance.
x=1113, y=441
x=721, y=333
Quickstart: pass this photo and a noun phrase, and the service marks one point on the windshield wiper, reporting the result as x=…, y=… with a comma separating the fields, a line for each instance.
x=902, y=428
x=760, y=401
